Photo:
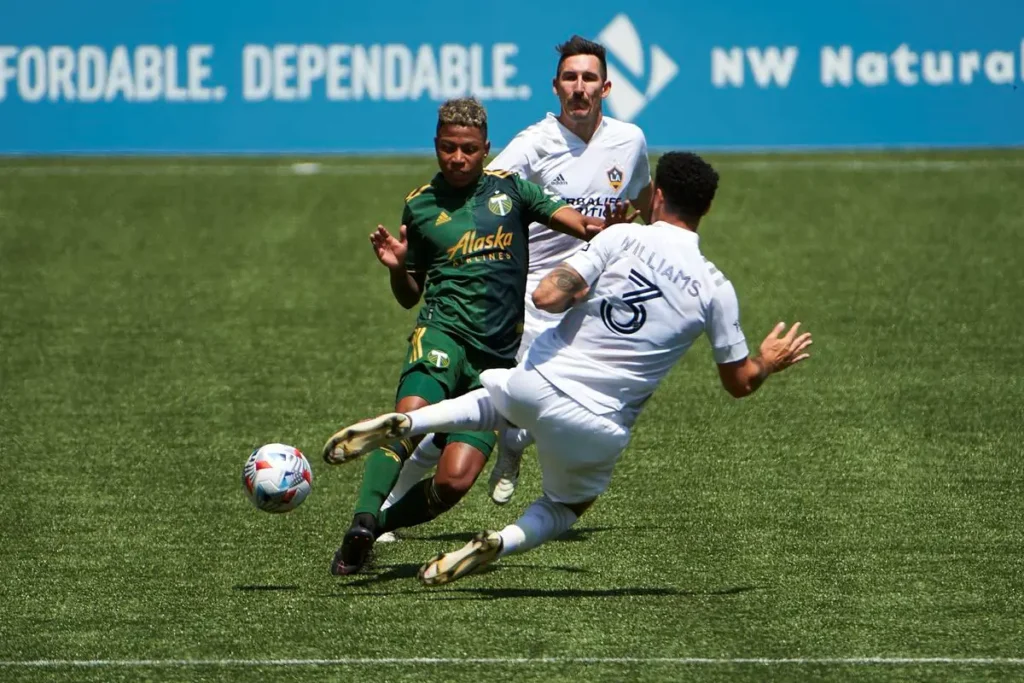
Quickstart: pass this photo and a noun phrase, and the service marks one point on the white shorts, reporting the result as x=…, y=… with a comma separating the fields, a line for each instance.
x=536, y=320
x=577, y=450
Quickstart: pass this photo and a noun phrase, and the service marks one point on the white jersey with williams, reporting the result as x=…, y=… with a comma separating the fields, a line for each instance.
x=613, y=165
x=652, y=294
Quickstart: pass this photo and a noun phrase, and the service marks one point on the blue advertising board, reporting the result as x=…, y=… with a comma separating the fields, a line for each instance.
x=320, y=76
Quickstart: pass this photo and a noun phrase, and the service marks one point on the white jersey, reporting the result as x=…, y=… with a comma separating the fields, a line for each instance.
x=613, y=165
x=652, y=294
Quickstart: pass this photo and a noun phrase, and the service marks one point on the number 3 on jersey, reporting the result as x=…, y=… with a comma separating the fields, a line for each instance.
x=633, y=299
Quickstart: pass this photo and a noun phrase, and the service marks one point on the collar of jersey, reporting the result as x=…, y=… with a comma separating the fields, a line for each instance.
x=572, y=136
x=442, y=185
x=690, y=234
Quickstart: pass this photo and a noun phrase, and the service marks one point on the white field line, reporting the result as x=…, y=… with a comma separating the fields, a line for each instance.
x=515, y=661
x=418, y=167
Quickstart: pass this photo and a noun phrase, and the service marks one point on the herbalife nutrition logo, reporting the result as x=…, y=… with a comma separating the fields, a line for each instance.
x=626, y=100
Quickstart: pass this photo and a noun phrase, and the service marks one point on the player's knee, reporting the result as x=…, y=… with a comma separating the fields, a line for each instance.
x=456, y=473
x=453, y=483
x=579, y=508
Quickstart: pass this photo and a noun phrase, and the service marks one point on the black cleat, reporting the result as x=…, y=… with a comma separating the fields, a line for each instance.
x=355, y=548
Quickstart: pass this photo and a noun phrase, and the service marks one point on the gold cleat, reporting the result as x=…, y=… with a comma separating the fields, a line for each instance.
x=472, y=557
x=351, y=442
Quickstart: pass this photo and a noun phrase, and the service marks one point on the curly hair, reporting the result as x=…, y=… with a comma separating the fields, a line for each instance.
x=688, y=183
x=463, y=111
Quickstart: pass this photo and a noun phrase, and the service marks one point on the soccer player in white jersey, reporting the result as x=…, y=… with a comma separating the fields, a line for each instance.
x=587, y=158
x=590, y=160
x=637, y=298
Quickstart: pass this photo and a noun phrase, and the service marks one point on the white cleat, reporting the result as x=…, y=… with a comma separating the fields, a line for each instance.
x=470, y=558
x=504, y=489
x=349, y=443
x=505, y=474
x=388, y=537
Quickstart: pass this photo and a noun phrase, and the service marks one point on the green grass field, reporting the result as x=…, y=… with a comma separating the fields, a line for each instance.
x=160, y=319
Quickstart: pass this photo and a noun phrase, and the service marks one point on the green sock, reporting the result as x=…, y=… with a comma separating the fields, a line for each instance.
x=382, y=468
x=421, y=504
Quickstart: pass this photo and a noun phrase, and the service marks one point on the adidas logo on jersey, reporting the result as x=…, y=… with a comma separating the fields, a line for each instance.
x=626, y=100
x=560, y=180
x=443, y=218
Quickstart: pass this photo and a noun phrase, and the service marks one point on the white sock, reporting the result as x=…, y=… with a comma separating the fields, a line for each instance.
x=518, y=439
x=427, y=453
x=469, y=412
x=422, y=459
x=542, y=521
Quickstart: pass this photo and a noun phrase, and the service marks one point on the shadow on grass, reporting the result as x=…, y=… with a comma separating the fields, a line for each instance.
x=631, y=592
x=381, y=573
x=573, y=535
x=376, y=574
x=396, y=572
x=255, y=588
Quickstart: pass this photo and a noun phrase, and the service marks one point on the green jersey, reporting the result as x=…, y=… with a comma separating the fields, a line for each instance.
x=472, y=243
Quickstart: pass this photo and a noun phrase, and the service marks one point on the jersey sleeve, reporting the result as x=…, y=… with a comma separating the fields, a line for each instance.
x=641, y=176
x=519, y=156
x=591, y=261
x=415, y=258
x=723, y=326
x=536, y=204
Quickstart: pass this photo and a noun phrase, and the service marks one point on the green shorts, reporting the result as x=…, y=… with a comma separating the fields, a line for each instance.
x=438, y=367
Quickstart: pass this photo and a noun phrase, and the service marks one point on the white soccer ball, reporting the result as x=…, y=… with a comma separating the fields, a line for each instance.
x=277, y=477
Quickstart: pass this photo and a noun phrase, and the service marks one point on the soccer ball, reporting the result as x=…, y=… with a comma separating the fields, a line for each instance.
x=277, y=477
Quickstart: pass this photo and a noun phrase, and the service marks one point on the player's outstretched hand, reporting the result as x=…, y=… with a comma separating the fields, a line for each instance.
x=389, y=251
x=619, y=212
x=593, y=225
x=780, y=350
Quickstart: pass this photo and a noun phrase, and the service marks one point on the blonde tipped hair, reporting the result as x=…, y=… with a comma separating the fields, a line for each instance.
x=463, y=111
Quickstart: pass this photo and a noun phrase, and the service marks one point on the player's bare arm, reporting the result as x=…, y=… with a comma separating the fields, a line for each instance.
x=406, y=286
x=569, y=221
x=778, y=352
x=560, y=290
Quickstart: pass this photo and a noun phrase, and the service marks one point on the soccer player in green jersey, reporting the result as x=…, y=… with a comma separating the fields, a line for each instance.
x=463, y=249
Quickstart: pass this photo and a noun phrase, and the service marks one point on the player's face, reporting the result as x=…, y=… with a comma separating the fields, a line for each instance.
x=580, y=87
x=461, y=151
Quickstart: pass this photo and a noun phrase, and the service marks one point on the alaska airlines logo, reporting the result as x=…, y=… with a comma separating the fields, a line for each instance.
x=469, y=244
x=626, y=100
